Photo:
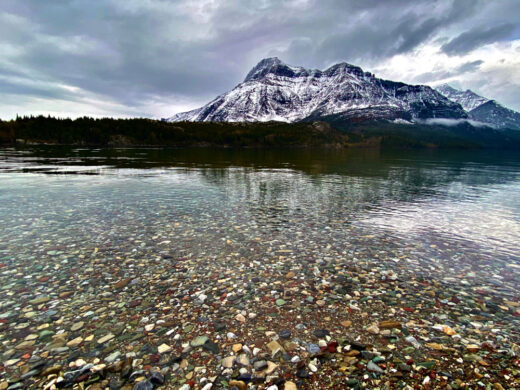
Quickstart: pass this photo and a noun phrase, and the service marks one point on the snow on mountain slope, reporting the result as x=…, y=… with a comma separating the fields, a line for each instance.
x=276, y=91
x=482, y=109
x=468, y=99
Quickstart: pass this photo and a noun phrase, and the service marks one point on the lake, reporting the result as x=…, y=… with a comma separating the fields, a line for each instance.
x=157, y=248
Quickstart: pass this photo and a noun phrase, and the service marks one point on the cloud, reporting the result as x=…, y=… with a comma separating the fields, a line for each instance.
x=476, y=37
x=429, y=77
x=157, y=57
x=454, y=122
x=468, y=66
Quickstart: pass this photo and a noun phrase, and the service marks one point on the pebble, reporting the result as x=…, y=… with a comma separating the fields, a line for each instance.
x=290, y=386
x=113, y=357
x=389, y=324
x=164, y=348
x=240, y=385
x=143, y=385
x=313, y=348
x=260, y=365
x=371, y=366
x=106, y=338
x=77, y=326
x=274, y=347
x=155, y=377
x=199, y=341
x=75, y=342
x=373, y=329
x=228, y=362
x=243, y=360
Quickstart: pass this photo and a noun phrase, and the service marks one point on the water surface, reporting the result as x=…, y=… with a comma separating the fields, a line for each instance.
x=136, y=253
x=441, y=214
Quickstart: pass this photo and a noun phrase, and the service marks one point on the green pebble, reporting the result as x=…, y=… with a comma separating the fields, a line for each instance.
x=429, y=365
x=46, y=333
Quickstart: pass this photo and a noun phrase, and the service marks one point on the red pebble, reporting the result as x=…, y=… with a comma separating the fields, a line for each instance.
x=82, y=378
x=332, y=346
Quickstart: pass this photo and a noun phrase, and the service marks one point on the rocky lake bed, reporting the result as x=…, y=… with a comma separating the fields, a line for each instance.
x=340, y=272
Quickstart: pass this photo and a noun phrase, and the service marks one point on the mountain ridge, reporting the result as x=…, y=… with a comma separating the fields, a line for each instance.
x=273, y=90
x=482, y=109
x=468, y=99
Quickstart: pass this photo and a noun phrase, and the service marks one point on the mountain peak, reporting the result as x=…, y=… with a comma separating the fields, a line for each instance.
x=263, y=67
x=269, y=61
x=345, y=67
x=468, y=99
x=445, y=86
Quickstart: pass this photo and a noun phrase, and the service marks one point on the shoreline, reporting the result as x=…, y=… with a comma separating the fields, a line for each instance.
x=145, y=132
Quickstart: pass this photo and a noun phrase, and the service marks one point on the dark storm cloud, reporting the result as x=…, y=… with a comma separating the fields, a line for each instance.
x=478, y=36
x=124, y=54
x=468, y=66
x=372, y=31
x=132, y=51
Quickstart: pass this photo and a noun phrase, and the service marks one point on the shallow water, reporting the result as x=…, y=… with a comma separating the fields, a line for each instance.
x=443, y=212
x=133, y=255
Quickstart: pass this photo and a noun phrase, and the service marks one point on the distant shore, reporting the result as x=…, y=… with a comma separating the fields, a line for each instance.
x=139, y=132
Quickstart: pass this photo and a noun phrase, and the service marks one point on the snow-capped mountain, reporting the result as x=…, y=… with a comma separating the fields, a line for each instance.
x=468, y=99
x=482, y=109
x=274, y=91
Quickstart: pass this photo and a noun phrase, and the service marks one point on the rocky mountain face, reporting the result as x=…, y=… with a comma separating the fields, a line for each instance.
x=482, y=109
x=468, y=99
x=275, y=91
x=496, y=115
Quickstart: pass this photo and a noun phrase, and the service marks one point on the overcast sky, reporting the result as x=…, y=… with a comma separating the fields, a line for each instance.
x=154, y=58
